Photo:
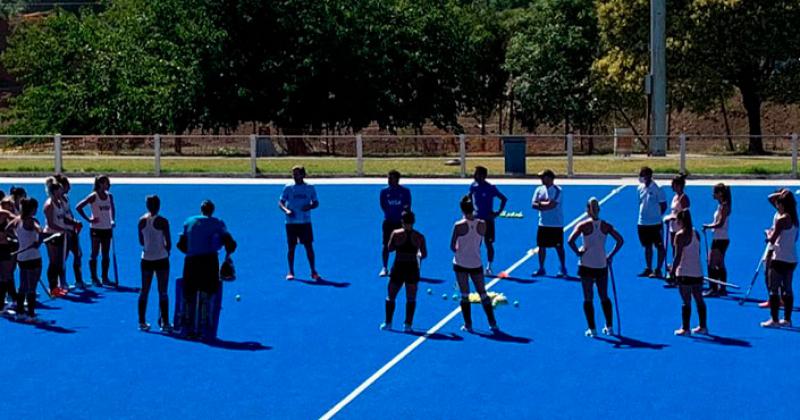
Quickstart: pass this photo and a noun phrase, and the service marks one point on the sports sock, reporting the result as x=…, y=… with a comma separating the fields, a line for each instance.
x=466, y=311
x=489, y=309
x=788, y=306
x=774, y=306
x=410, y=308
x=588, y=311
x=389, y=311
x=608, y=311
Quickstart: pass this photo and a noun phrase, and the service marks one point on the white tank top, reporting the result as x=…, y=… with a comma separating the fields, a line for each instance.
x=722, y=231
x=101, y=210
x=785, y=246
x=468, y=246
x=690, y=260
x=594, y=245
x=27, y=238
x=59, y=213
x=155, y=246
x=675, y=208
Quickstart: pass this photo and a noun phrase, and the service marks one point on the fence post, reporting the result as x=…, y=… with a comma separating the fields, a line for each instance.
x=462, y=154
x=570, y=146
x=253, y=160
x=359, y=155
x=794, y=155
x=58, y=164
x=683, y=152
x=157, y=149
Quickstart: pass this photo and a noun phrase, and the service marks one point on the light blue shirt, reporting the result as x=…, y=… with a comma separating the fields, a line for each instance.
x=204, y=235
x=555, y=216
x=650, y=199
x=295, y=197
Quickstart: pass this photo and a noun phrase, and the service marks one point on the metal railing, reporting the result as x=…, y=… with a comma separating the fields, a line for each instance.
x=571, y=154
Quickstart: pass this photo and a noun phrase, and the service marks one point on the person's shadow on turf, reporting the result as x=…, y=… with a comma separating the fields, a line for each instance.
x=40, y=324
x=434, y=336
x=623, y=342
x=519, y=280
x=323, y=282
x=430, y=280
x=219, y=343
x=716, y=339
x=82, y=296
x=503, y=337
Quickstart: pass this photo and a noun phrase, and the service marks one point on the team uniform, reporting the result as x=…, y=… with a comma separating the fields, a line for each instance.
x=467, y=264
x=405, y=271
x=483, y=195
x=393, y=200
x=649, y=227
x=550, y=233
x=781, y=271
x=593, y=269
x=155, y=260
x=56, y=249
x=7, y=265
x=719, y=242
x=30, y=268
x=73, y=244
x=101, y=230
x=298, y=225
x=689, y=273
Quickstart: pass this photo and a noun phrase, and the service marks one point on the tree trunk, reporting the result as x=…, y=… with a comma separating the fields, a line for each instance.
x=727, y=124
x=752, y=104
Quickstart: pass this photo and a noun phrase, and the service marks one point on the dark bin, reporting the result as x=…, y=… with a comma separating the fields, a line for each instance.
x=264, y=147
x=514, y=152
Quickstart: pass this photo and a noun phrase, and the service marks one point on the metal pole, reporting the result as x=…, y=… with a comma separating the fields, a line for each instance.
x=462, y=154
x=58, y=164
x=359, y=155
x=253, y=160
x=794, y=155
x=658, y=70
x=570, y=145
x=683, y=152
x=157, y=147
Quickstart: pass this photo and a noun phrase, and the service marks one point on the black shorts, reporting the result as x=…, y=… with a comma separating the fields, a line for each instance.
x=689, y=281
x=720, y=244
x=549, y=237
x=592, y=273
x=489, y=236
x=30, y=264
x=299, y=233
x=101, y=234
x=201, y=272
x=389, y=227
x=459, y=269
x=651, y=234
x=155, y=265
x=404, y=272
x=5, y=252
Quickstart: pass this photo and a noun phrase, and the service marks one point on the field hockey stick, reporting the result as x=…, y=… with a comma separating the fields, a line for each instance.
x=755, y=275
x=114, y=260
x=705, y=243
x=35, y=244
x=64, y=259
x=721, y=283
x=46, y=290
x=616, y=302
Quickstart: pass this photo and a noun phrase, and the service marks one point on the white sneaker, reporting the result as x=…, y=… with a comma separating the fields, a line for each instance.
x=700, y=330
x=785, y=323
x=590, y=333
x=608, y=330
x=144, y=327
x=681, y=331
x=466, y=328
x=770, y=324
x=384, y=272
x=385, y=326
x=407, y=328
x=494, y=328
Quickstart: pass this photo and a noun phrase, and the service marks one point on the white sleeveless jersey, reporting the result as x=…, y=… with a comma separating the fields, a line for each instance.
x=59, y=213
x=468, y=247
x=27, y=238
x=594, y=245
x=155, y=245
x=101, y=211
x=690, y=260
x=722, y=231
x=785, y=246
x=675, y=208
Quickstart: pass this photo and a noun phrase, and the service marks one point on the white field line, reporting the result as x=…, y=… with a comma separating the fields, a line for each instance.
x=433, y=330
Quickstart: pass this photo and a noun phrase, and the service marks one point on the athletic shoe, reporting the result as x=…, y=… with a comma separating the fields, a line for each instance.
x=494, y=328
x=770, y=324
x=656, y=274
x=107, y=282
x=645, y=273
x=384, y=272
x=540, y=272
x=785, y=323
x=55, y=292
x=681, y=331
x=143, y=326
x=165, y=327
x=608, y=330
x=488, y=271
x=63, y=291
x=723, y=292
x=386, y=326
x=466, y=328
x=590, y=333
x=81, y=285
x=764, y=304
x=710, y=293
x=290, y=277
x=407, y=328
x=97, y=283
x=562, y=273
x=315, y=276
x=700, y=330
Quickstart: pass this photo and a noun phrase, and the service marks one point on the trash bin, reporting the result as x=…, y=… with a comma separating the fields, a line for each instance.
x=514, y=153
x=264, y=147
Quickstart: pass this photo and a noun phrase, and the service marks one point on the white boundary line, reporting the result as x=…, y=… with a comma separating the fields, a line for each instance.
x=122, y=180
x=411, y=347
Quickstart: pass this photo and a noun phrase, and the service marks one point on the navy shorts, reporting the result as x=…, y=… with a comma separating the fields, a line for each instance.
x=299, y=233
x=101, y=234
x=155, y=265
x=489, y=236
x=549, y=237
x=651, y=234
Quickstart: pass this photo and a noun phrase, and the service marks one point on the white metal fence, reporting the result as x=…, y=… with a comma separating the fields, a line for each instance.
x=255, y=155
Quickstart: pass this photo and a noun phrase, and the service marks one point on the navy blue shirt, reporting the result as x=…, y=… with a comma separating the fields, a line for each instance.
x=204, y=235
x=394, y=200
x=483, y=196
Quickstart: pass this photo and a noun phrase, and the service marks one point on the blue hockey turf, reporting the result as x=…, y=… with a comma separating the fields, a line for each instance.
x=296, y=349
